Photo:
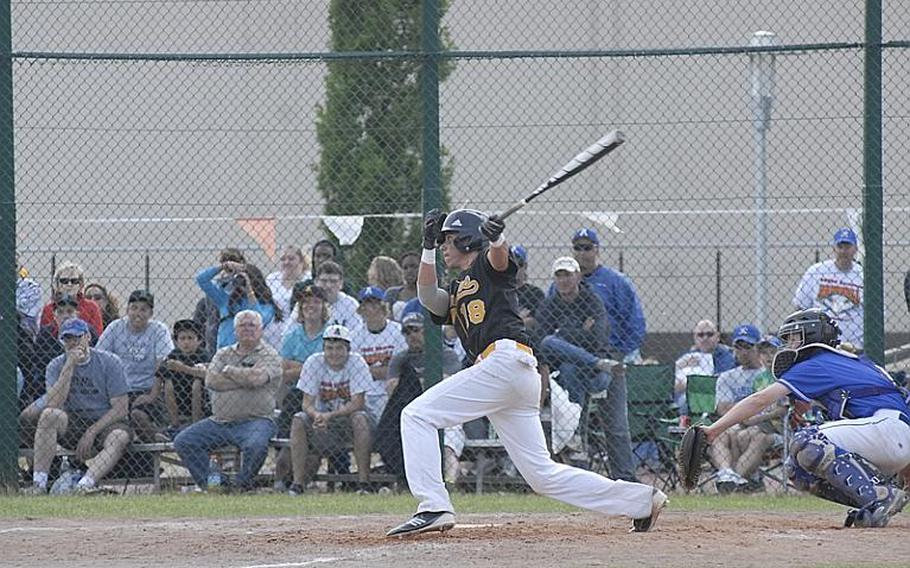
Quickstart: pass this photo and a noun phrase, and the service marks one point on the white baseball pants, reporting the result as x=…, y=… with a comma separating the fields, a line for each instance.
x=505, y=387
x=882, y=438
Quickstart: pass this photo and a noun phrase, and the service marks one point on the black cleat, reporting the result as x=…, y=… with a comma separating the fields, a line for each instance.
x=425, y=522
x=658, y=502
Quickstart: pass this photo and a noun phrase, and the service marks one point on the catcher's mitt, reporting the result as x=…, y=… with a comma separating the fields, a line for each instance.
x=692, y=453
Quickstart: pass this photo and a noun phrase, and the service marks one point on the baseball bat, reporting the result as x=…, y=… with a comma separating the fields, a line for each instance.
x=579, y=163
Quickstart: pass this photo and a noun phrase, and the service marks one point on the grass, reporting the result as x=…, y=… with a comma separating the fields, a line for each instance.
x=222, y=506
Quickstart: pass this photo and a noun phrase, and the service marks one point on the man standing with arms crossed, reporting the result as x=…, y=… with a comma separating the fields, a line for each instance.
x=503, y=384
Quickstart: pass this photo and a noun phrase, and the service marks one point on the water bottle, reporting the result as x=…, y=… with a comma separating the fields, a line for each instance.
x=214, y=474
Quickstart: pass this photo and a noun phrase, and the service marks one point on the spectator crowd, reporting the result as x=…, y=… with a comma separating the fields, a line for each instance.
x=298, y=355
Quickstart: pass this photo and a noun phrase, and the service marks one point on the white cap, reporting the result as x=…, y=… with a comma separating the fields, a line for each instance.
x=566, y=263
x=337, y=332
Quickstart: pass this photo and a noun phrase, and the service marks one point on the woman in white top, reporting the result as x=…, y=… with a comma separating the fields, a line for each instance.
x=294, y=267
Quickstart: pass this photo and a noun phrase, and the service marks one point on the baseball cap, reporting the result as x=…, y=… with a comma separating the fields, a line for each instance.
x=74, y=327
x=142, y=296
x=844, y=235
x=771, y=340
x=746, y=333
x=566, y=263
x=589, y=234
x=371, y=293
x=520, y=254
x=413, y=319
x=66, y=300
x=338, y=332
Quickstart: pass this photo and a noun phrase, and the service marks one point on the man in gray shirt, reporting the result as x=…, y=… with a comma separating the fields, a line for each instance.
x=86, y=410
x=142, y=344
x=243, y=379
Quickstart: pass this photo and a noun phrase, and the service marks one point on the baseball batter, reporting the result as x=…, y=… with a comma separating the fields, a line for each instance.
x=503, y=384
x=867, y=440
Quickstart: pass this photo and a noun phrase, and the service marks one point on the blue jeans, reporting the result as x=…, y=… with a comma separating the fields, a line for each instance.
x=581, y=376
x=251, y=436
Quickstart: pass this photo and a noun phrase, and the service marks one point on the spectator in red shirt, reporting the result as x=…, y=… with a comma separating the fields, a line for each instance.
x=70, y=279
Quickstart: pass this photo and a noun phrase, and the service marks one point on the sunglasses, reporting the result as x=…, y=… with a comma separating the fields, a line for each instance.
x=703, y=334
x=582, y=248
x=743, y=346
x=95, y=296
x=69, y=281
x=410, y=330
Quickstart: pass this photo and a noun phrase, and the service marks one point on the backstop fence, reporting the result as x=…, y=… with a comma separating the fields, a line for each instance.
x=145, y=142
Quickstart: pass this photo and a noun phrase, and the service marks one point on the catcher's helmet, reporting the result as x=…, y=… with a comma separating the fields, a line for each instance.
x=813, y=325
x=465, y=224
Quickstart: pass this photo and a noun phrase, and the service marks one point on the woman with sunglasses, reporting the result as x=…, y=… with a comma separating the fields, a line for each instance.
x=107, y=302
x=70, y=279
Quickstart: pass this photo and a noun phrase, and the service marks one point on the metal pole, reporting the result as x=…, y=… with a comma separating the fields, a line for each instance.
x=432, y=178
x=9, y=428
x=148, y=269
x=873, y=279
x=717, y=287
x=761, y=66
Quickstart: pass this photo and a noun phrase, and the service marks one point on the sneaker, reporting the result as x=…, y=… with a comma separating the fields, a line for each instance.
x=658, y=502
x=726, y=487
x=364, y=488
x=880, y=512
x=606, y=365
x=425, y=522
x=295, y=490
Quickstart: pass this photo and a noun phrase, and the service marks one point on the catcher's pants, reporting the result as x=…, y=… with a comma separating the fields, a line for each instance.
x=883, y=439
x=505, y=387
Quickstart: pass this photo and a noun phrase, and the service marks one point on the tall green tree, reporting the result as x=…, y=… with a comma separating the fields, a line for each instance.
x=369, y=129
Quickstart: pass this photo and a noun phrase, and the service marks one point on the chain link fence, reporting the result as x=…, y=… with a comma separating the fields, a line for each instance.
x=178, y=161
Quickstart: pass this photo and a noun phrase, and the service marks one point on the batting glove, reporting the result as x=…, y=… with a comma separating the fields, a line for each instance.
x=493, y=227
x=432, y=225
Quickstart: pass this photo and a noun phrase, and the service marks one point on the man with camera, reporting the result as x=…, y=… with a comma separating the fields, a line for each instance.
x=243, y=379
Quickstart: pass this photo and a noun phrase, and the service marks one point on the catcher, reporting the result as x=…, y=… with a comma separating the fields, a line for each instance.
x=865, y=440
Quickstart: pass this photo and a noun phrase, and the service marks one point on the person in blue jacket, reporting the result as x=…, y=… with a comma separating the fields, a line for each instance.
x=624, y=313
x=234, y=287
x=865, y=439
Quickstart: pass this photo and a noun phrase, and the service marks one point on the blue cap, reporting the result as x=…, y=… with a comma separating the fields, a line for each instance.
x=844, y=235
x=772, y=340
x=412, y=319
x=520, y=254
x=74, y=326
x=412, y=305
x=746, y=333
x=372, y=293
x=589, y=234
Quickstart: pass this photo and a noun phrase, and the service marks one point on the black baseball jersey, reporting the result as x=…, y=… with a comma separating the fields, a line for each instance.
x=483, y=306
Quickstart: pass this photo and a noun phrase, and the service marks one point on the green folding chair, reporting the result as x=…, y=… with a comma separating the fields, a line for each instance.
x=700, y=398
x=649, y=390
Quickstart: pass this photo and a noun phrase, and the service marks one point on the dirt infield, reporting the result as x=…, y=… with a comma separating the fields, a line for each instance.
x=513, y=540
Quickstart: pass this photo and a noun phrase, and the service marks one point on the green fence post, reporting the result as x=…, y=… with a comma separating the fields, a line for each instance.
x=432, y=178
x=9, y=433
x=873, y=280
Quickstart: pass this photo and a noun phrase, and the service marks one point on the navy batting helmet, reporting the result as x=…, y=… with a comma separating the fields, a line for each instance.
x=813, y=325
x=465, y=224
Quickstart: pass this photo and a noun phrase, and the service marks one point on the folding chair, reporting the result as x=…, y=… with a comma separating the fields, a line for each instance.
x=700, y=398
x=701, y=393
x=649, y=390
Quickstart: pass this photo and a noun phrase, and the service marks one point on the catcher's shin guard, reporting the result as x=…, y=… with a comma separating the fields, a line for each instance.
x=827, y=471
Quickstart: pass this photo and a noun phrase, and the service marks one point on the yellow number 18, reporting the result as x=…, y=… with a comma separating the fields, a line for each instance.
x=473, y=312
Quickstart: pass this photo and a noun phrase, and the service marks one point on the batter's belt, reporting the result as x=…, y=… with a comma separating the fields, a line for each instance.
x=492, y=347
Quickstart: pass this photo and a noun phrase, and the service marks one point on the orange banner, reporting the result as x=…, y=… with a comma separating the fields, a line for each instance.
x=262, y=229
